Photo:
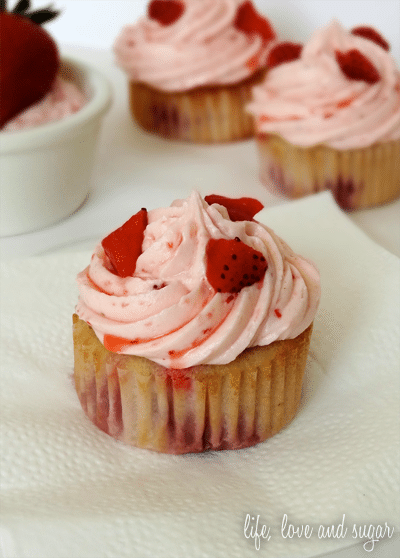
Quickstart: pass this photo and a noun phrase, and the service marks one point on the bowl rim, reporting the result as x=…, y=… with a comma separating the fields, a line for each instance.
x=20, y=140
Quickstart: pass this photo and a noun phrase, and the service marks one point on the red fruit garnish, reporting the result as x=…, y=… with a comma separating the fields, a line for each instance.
x=165, y=12
x=283, y=52
x=29, y=61
x=372, y=35
x=232, y=265
x=124, y=245
x=357, y=66
x=250, y=21
x=115, y=344
x=239, y=209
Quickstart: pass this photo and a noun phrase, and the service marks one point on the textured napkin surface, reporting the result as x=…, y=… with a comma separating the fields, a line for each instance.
x=70, y=491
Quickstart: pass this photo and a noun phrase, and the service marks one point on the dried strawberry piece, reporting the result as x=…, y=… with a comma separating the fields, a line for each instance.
x=124, y=245
x=250, y=21
x=232, y=265
x=357, y=66
x=239, y=209
x=283, y=52
x=372, y=35
x=165, y=12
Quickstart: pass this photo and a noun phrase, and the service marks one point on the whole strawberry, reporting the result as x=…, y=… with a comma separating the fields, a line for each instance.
x=29, y=58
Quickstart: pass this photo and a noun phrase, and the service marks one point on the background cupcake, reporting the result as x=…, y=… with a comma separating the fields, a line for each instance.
x=191, y=65
x=328, y=116
x=197, y=337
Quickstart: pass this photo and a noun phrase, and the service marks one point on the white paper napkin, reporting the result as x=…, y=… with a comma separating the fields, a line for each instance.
x=70, y=491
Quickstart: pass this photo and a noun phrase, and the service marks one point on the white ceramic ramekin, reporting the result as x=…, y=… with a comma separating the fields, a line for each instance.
x=45, y=171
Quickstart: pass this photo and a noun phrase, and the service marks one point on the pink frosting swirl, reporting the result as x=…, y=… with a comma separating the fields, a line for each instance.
x=62, y=100
x=168, y=310
x=311, y=101
x=202, y=47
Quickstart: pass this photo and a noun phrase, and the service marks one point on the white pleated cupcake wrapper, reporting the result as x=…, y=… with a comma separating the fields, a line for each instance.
x=358, y=178
x=178, y=411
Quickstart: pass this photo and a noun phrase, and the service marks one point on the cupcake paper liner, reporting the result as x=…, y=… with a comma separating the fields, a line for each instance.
x=358, y=178
x=202, y=115
x=205, y=407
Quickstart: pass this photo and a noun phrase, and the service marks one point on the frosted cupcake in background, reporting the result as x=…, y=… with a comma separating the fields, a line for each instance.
x=193, y=327
x=191, y=65
x=328, y=117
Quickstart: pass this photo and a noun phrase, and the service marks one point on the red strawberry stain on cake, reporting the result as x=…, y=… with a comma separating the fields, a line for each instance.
x=233, y=265
x=267, y=118
x=344, y=103
x=239, y=209
x=180, y=380
x=166, y=12
x=344, y=192
x=284, y=52
x=356, y=66
x=254, y=62
x=29, y=59
x=124, y=245
x=275, y=174
x=117, y=344
x=167, y=120
x=371, y=34
x=251, y=22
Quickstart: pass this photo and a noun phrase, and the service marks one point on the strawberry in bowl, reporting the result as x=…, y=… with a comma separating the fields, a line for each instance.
x=50, y=117
x=29, y=59
x=32, y=91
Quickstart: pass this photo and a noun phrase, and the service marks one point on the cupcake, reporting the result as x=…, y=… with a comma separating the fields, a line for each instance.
x=191, y=65
x=328, y=117
x=192, y=328
x=32, y=90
